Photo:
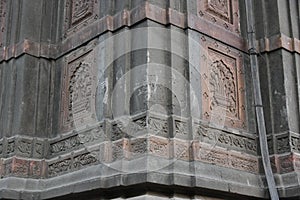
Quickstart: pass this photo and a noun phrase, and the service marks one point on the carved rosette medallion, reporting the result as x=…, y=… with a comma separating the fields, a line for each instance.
x=224, y=13
x=79, y=90
x=80, y=13
x=223, y=85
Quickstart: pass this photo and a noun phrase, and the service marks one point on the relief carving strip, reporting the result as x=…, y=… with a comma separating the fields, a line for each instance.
x=227, y=139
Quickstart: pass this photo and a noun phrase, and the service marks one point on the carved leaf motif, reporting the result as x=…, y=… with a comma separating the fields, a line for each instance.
x=157, y=125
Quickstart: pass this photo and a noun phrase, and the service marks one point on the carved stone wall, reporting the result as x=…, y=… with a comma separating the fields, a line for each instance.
x=123, y=99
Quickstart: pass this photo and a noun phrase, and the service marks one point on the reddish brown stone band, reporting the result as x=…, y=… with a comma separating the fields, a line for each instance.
x=130, y=18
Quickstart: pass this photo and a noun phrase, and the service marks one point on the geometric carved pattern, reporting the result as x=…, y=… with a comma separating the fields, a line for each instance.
x=222, y=85
x=223, y=13
x=79, y=88
x=79, y=13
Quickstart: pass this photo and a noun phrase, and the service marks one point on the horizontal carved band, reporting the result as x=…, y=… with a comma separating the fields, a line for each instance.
x=112, y=23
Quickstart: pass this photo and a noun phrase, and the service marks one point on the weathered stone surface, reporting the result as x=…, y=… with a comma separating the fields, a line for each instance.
x=155, y=95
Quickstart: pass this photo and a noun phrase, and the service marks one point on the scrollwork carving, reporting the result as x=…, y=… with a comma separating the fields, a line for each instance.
x=59, y=167
x=84, y=159
x=64, y=145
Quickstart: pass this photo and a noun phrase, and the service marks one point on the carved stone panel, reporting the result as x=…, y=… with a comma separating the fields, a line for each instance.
x=223, y=85
x=79, y=89
x=223, y=13
x=80, y=13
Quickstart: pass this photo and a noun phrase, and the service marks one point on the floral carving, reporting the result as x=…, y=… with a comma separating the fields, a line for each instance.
x=64, y=145
x=158, y=126
x=295, y=143
x=59, y=167
x=243, y=163
x=222, y=87
x=93, y=135
x=10, y=147
x=181, y=128
x=20, y=167
x=79, y=90
x=283, y=144
x=84, y=159
x=160, y=148
x=139, y=146
x=24, y=147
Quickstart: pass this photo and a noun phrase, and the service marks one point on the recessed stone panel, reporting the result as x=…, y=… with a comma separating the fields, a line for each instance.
x=223, y=88
x=80, y=13
x=79, y=89
x=223, y=13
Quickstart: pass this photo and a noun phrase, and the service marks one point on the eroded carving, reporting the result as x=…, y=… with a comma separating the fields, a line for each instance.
x=20, y=167
x=95, y=134
x=283, y=144
x=64, y=145
x=79, y=90
x=158, y=126
x=181, y=128
x=59, y=167
x=85, y=159
x=24, y=147
x=79, y=13
x=246, y=164
x=222, y=87
x=139, y=146
x=160, y=148
x=10, y=147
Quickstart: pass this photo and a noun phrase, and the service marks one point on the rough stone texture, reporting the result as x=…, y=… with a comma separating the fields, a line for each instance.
x=145, y=99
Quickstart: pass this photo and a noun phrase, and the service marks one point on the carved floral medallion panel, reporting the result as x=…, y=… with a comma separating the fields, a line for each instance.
x=223, y=87
x=79, y=89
